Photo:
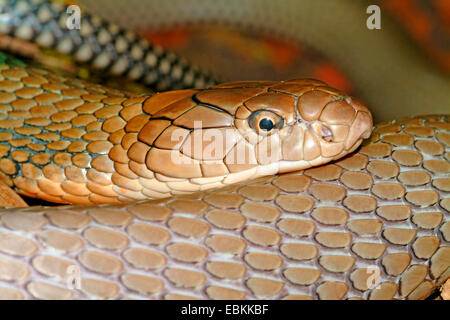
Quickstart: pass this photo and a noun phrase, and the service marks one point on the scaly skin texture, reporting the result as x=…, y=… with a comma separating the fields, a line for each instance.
x=99, y=43
x=69, y=141
x=320, y=233
x=310, y=234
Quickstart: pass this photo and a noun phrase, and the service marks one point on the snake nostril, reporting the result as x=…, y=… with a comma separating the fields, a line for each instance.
x=326, y=133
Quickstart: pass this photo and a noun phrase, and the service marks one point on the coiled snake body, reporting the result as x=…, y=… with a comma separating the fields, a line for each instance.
x=373, y=224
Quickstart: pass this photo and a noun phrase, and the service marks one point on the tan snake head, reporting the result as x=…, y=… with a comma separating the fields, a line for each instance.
x=116, y=149
x=236, y=131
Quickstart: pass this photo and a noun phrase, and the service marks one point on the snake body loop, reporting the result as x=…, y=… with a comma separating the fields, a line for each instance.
x=380, y=213
x=99, y=43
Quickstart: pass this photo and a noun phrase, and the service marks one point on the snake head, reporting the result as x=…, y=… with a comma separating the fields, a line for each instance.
x=298, y=124
x=242, y=130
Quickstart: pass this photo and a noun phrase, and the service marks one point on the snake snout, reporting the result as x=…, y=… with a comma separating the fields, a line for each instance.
x=360, y=129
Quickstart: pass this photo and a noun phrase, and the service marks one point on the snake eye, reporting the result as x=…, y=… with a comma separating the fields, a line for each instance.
x=264, y=122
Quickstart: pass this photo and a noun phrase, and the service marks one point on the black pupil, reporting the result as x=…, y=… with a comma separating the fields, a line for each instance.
x=266, y=124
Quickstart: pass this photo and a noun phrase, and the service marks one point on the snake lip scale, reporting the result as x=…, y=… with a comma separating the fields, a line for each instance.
x=305, y=214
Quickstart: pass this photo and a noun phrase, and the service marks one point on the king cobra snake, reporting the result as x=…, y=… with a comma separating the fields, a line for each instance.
x=371, y=224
